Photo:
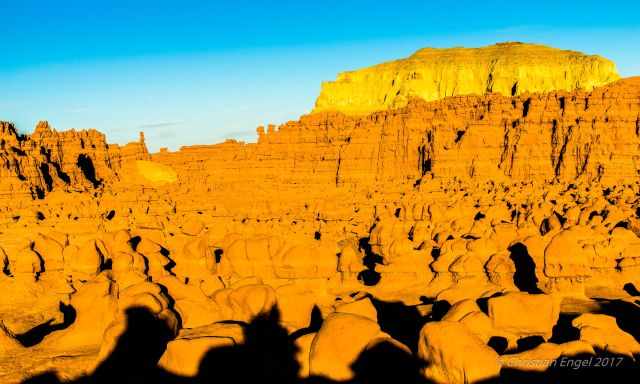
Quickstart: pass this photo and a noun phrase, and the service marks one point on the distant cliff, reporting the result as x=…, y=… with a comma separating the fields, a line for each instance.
x=509, y=69
x=568, y=136
x=32, y=165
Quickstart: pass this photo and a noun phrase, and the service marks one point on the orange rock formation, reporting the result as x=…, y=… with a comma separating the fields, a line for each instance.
x=510, y=69
x=457, y=240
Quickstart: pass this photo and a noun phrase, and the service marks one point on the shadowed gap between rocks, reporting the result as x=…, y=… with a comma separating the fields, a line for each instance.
x=402, y=322
x=525, y=275
x=369, y=276
x=88, y=170
x=627, y=315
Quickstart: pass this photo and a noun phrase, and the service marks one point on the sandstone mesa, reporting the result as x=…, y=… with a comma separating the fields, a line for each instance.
x=509, y=69
x=462, y=215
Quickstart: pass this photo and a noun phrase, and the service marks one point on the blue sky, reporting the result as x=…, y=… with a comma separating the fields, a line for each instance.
x=196, y=72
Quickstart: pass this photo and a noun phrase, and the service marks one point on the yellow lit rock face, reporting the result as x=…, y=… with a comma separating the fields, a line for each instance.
x=150, y=173
x=156, y=172
x=433, y=74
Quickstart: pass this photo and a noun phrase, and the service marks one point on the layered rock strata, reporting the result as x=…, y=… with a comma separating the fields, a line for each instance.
x=47, y=160
x=431, y=74
x=444, y=241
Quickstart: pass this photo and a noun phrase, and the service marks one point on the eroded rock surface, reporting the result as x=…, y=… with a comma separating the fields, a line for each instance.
x=454, y=240
x=435, y=73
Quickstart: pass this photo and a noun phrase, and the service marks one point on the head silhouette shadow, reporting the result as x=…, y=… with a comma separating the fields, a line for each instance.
x=386, y=362
x=267, y=353
x=137, y=350
x=135, y=356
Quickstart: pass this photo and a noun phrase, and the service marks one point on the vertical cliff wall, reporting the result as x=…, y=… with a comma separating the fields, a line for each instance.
x=568, y=136
x=32, y=165
x=507, y=68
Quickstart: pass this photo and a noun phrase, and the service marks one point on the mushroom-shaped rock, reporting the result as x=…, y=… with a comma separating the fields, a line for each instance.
x=193, y=306
x=95, y=303
x=350, y=261
x=339, y=342
x=140, y=305
x=26, y=263
x=500, y=269
x=306, y=261
x=362, y=307
x=192, y=227
x=565, y=256
x=128, y=268
x=184, y=355
x=296, y=303
x=453, y=354
x=602, y=331
x=50, y=250
x=154, y=253
x=250, y=301
x=524, y=314
x=85, y=261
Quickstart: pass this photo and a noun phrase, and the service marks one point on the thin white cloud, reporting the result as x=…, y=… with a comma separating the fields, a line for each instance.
x=160, y=124
x=240, y=133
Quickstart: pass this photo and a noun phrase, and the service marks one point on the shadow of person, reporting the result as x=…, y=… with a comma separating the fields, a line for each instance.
x=402, y=322
x=385, y=362
x=268, y=353
x=137, y=351
x=135, y=356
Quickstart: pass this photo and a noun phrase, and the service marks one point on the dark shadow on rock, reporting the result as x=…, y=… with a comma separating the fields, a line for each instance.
x=314, y=324
x=36, y=334
x=137, y=351
x=563, y=331
x=88, y=170
x=46, y=176
x=483, y=302
x=267, y=355
x=402, y=322
x=499, y=344
x=44, y=378
x=439, y=309
x=369, y=276
x=631, y=289
x=529, y=342
x=385, y=363
x=525, y=275
x=134, y=241
x=134, y=358
x=627, y=315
